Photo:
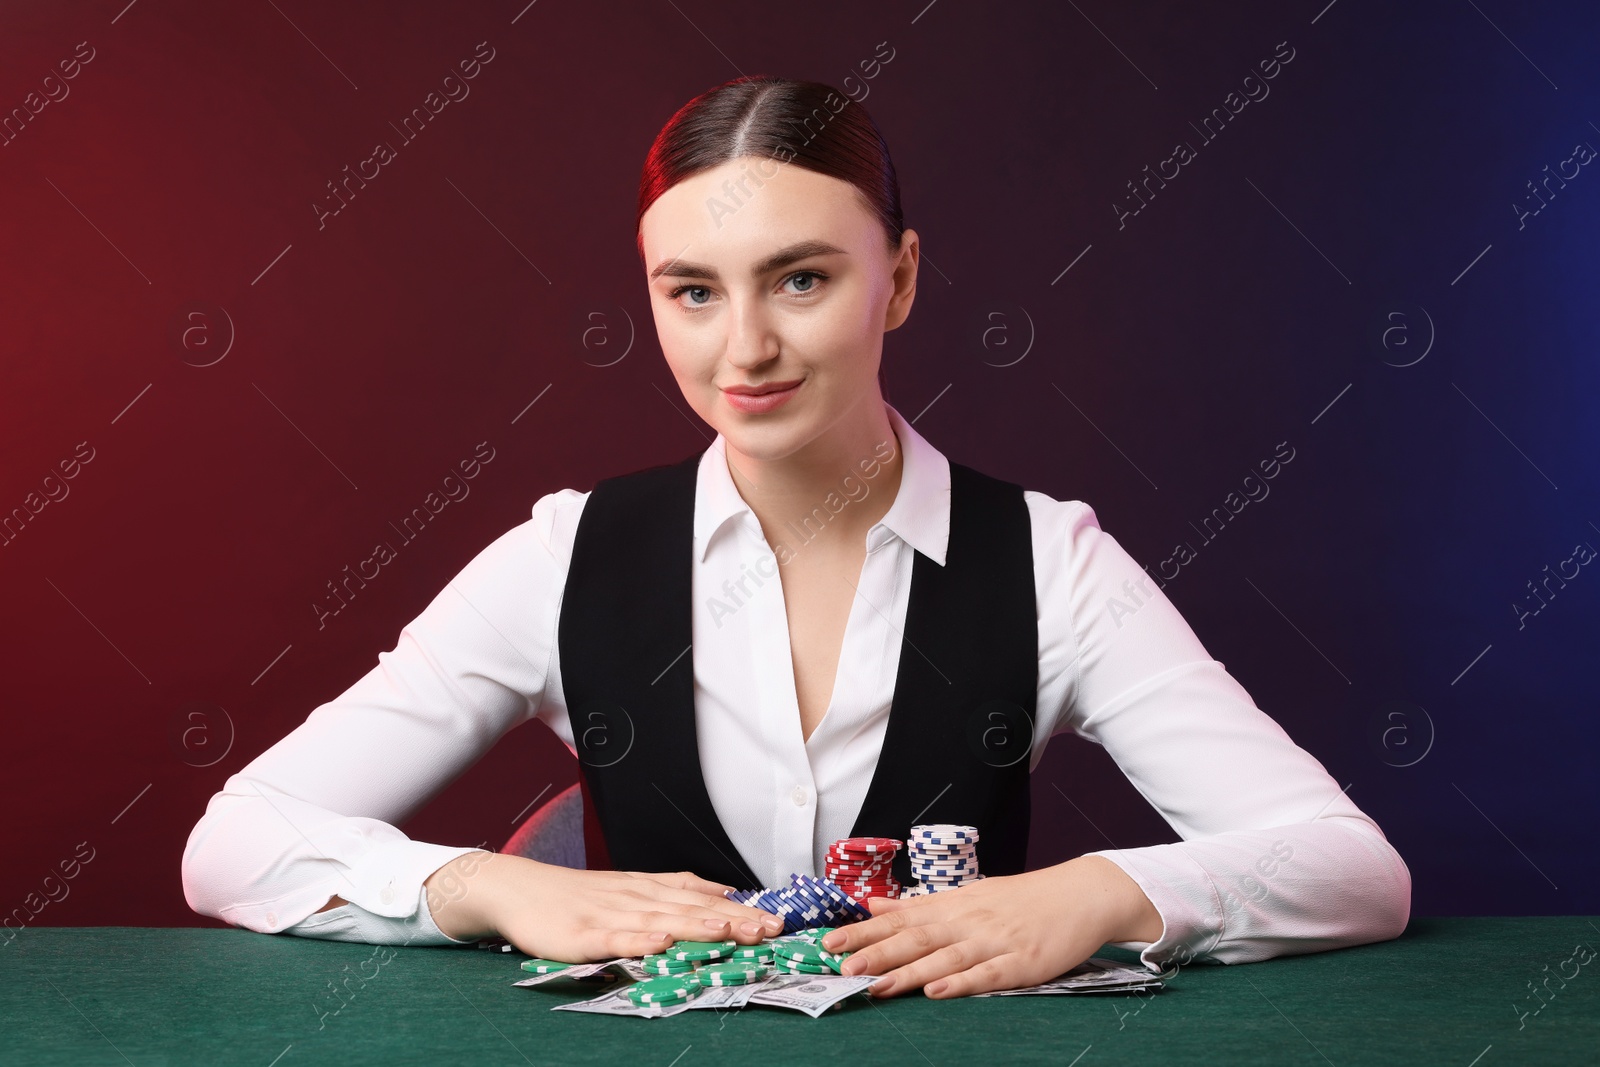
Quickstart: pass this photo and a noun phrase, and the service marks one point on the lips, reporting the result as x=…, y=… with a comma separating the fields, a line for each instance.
x=761, y=390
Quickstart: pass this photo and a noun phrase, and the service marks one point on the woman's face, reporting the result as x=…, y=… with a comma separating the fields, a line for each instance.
x=768, y=275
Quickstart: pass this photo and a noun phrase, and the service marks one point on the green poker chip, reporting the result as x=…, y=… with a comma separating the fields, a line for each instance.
x=701, y=951
x=795, y=967
x=538, y=966
x=668, y=990
x=756, y=953
x=720, y=974
x=659, y=964
x=802, y=952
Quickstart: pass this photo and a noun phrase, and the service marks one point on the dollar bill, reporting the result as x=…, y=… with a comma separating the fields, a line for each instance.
x=616, y=1002
x=1093, y=975
x=604, y=970
x=725, y=997
x=810, y=993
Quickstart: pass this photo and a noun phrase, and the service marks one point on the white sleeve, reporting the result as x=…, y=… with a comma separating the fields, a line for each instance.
x=316, y=814
x=1275, y=859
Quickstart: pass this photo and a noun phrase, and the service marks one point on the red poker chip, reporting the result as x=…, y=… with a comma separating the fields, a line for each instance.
x=847, y=869
x=851, y=876
x=868, y=844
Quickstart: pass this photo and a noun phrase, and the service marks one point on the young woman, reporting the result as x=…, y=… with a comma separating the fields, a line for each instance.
x=817, y=628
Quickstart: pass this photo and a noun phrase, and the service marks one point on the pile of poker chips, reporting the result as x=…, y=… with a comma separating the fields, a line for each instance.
x=943, y=856
x=688, y=968
x=861, y=866
x=803, y=953
x=804, y=903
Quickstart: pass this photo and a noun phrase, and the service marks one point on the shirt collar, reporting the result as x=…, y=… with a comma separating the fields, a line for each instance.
x=920, y=514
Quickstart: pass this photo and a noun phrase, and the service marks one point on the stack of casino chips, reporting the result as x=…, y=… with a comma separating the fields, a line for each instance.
x=803, y=953
x=943, y=856
x=804, y=903
x=686, y=969
x=861, y=866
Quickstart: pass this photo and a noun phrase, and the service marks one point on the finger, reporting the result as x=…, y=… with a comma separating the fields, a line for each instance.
x=609, y=944
x=889, y=918
x=743, y=921
x=940, y=962
x=678, y=926
x=911, y=941
x=688, y=880
x=997, y=972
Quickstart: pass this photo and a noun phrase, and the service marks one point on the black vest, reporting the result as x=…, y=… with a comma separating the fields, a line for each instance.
x=960, y=730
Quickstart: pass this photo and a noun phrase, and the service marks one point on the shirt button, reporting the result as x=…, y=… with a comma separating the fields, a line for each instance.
x=272, y=920
x=386, y=894
x=799, y=796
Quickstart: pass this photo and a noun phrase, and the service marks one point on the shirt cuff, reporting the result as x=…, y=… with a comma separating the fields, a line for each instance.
x=352, y=922
x=386, y=882
x=1182, y=893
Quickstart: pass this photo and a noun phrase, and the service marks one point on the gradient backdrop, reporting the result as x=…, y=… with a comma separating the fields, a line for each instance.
x=1356, y=265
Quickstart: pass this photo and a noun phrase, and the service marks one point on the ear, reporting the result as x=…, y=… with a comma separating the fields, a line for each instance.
x=905, y=280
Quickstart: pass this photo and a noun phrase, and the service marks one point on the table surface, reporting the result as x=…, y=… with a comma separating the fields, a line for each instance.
x=1449, y=991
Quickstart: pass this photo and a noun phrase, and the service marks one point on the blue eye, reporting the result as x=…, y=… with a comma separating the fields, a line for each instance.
x=813, y=278
x=692, y=288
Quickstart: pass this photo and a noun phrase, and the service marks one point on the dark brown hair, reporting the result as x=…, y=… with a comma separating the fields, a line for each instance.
x=809, y=124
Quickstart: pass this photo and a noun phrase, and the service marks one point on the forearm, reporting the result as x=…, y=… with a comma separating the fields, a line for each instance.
x=1254, y=895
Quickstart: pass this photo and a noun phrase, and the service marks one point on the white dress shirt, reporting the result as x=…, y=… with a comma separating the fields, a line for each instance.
x=1274, y=859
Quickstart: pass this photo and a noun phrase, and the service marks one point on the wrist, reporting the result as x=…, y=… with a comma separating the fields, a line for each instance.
x=1126, y=913
x=461, y=896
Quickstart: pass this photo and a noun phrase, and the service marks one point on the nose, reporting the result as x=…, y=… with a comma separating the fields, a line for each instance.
x=751, y=339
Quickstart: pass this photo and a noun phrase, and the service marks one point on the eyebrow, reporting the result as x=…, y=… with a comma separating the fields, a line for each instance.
x=782, y=258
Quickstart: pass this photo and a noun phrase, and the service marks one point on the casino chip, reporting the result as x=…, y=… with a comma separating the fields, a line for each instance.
x=700, y=951
x=663, y=964
x=861, y=867
x=670, y=990
x=538, y=966
x=943, y=856
x=721, y=974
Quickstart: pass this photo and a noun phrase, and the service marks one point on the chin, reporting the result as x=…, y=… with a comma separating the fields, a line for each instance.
x=768, y=440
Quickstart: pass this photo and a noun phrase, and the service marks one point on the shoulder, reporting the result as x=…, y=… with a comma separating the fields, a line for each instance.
x=1058, y=522
x=554, y=522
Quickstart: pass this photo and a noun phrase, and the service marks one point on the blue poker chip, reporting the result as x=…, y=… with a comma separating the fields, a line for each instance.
x=807, y=892
x=847, y=905
x=835, y=896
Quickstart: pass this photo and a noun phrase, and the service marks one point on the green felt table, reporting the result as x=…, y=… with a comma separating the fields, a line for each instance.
x=1448, y=992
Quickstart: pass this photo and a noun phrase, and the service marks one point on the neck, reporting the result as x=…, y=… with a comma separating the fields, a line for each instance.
x=821, y=492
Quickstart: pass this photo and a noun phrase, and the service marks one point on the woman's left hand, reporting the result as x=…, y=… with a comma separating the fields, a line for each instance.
x=997, y=933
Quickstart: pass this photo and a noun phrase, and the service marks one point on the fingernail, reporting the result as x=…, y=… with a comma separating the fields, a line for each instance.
x=833, y=941
x=936, y=988
x=773, y=923
x=880, y=987
x=749, y=929
x=716, y=924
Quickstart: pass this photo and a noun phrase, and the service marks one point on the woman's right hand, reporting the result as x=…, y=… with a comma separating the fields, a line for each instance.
x=576, y=916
